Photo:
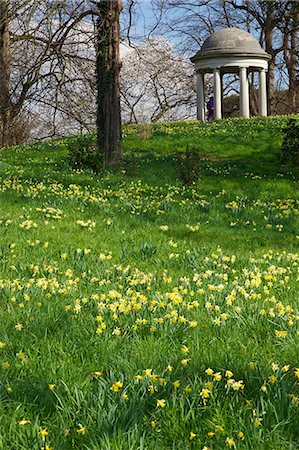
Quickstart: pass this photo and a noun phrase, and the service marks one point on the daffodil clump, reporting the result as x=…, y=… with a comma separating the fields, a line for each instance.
x=138, y=313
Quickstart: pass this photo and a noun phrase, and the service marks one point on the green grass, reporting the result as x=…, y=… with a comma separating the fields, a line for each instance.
x=104, y=277
x=220, y=139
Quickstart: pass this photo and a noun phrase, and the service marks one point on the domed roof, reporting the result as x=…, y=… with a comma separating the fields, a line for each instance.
x=230, y=41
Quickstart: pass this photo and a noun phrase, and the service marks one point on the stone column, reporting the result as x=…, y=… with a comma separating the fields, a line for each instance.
x=222, y=96
x=200, y=90
x=217, y=94
x=262, y=93
x=244, y=93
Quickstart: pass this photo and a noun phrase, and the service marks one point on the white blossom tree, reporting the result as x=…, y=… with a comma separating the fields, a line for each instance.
x=157, y=83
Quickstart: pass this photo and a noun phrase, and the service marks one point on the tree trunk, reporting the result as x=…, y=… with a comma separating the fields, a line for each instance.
x=293, y=60
x=108, y=67
x=5, y=103
x=253, y=96
x=269, y=24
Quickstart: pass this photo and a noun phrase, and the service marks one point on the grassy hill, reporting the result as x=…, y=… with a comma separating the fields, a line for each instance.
x=138, y=312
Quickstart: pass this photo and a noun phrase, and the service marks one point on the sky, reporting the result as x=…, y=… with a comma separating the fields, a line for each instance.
x=144, y=18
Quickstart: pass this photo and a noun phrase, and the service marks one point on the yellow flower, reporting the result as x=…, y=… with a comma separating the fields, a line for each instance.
x=187, y=389
x=116, y=332
x=192, y=435
x=161, y=403
x=257, y=421
x=185, y=349
x=96, y=374
x=154, y=378
x=295, y=400
x=116, y=386
x=21, y=355
x=274, y=367
x=2, y=345
x=230, y=442
x=217, y=376
x=240, y=435
x=236, y=385
x=153, y=423
x=51, y=387
x=152, y=389
x=211, y=434
x=296, y=372
x=285, y=368
x=184, y=362
x=43, y=432
x=19, y=327
x=162, y=381
x=205, y=393
x=229, y=374
x=124, y=397
x=281, y=333
x=209, y=371
x=169, y=368
x=5, y=365
x=81, y=429
x=23, y=422
x=176, y=384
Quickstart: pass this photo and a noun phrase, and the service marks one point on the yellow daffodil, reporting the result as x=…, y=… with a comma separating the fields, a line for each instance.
x=23, y=422
x=81, y=429
x=161, y=403
x=43, y=432
x=192, y=435
x=230, y=442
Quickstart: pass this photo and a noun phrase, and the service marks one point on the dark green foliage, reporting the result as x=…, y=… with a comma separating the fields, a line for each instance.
x=83, y=154
x=290, y=145
x=189, y=165
x=147, y=250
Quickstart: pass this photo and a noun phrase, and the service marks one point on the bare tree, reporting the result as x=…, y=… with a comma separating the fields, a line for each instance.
x=32, y=37
x=289, y=26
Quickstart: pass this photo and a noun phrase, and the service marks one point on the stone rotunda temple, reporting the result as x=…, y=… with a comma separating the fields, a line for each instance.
x=230, y=50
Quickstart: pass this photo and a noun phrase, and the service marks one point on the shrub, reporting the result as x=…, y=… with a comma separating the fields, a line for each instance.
x=145, y=130
x=189, y=164
x=147, y=250
x=289, y=152
x=83, y=154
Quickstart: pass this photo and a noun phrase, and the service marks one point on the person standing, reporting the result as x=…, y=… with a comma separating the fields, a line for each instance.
x=210, y=106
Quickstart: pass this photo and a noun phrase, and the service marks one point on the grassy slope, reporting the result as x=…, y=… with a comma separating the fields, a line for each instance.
x=224, y=249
